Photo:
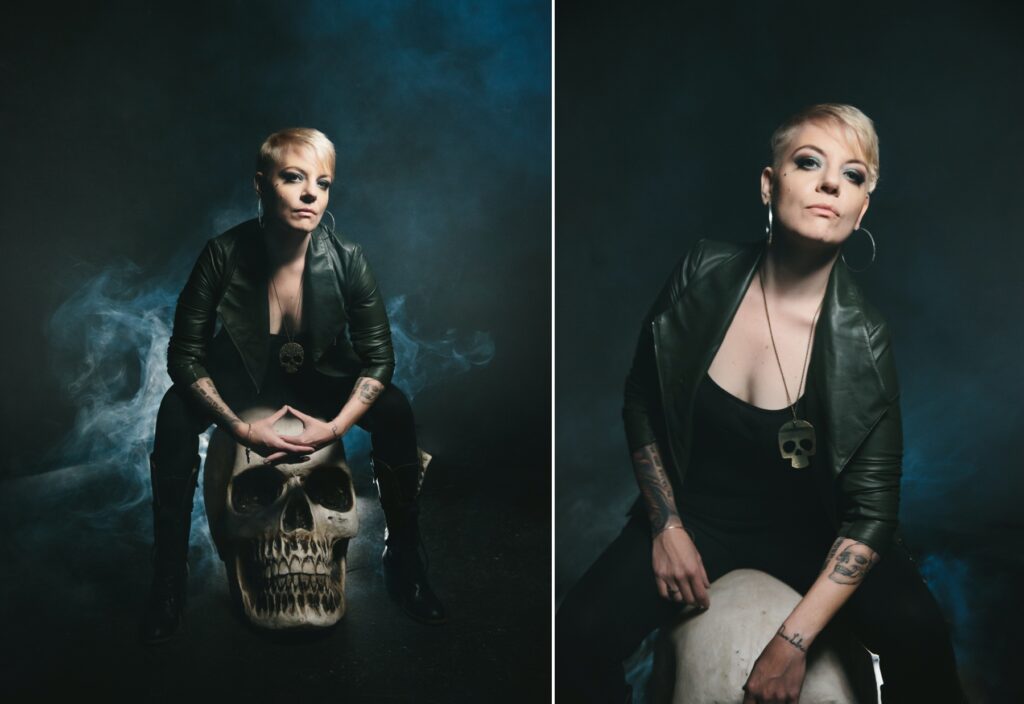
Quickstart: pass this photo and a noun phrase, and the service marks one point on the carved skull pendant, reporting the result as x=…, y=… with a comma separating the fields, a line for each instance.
x=797, y=442
x=292, y=355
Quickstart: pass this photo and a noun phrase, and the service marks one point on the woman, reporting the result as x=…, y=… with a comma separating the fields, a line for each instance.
x=752, y=450
x=285, y=286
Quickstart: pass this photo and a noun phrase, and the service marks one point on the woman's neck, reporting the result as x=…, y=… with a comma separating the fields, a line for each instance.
x=285, y=246
x=798, y=271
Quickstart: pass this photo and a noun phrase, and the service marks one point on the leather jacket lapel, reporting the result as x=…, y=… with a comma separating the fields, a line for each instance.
x=847, y=394
x=245, y=307
x=687, y=336
x=324, y=303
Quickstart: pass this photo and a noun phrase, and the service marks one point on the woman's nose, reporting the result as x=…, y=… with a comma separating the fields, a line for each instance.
x=829, y=183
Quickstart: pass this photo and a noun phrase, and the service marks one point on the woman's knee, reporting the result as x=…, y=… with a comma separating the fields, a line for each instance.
x=392, y=409
x=178, y=426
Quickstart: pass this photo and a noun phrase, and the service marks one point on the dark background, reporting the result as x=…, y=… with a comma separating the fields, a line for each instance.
x=129, y=138
x=663, y=116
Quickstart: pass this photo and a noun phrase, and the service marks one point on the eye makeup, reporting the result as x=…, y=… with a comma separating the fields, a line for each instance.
x=807, y=162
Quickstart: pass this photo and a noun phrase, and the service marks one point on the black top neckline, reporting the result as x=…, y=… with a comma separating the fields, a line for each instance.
x=785, y=410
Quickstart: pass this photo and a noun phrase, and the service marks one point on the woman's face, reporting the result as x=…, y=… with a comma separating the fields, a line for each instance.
x=296, y=192
x=820, y=192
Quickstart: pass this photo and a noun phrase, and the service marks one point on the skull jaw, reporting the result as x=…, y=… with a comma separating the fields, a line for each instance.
x=298, y=609
x=799, y=461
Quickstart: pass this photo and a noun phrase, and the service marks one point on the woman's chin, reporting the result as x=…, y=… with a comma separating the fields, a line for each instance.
x=817, y=239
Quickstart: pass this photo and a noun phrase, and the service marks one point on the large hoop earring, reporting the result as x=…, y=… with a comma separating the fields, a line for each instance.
x=334, y=225
x=259, y=212
x=768, y=227
x=874, y=251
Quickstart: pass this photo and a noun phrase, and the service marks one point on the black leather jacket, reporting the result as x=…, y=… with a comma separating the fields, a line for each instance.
x=230, y=280
x=852, y=395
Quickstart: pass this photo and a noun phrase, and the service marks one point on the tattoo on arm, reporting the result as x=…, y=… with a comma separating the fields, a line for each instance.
x=853, y=563
x=794, y=639
x=832, y=553
x=208, y=396
x=655, y=487
x=367, y=389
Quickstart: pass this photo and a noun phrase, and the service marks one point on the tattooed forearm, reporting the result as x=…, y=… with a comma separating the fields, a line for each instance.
x=794, y=639
x=832, y=553
x=206, y=392
x=367, y=390
x=655, y=487
x=853, y=563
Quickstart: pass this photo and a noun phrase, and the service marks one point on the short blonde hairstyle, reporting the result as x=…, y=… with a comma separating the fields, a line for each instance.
x=274, y=146
x=856, y=124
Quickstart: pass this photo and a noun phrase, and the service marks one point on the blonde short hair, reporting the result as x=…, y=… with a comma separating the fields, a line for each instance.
x=857, y=125
x=274, y=146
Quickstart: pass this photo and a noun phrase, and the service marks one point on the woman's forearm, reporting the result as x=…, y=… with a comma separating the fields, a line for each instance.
x=364, y=393
x=846, y=565
x=656, y=488
x=206, y=392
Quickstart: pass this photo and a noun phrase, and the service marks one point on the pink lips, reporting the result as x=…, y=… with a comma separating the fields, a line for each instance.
x=824, y=209
x=305, y=212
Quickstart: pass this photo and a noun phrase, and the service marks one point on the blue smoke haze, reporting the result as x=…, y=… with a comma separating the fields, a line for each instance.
x=109, y=342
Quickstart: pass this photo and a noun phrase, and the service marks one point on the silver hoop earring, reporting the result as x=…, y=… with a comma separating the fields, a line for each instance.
x=874, y=251
x=259, y=212
x=334, y=225
x=768, y=227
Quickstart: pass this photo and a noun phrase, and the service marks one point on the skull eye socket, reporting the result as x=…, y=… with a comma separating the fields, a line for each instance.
x=806, y=444
x=789, y=446
x=330, y=487
x=255, y=489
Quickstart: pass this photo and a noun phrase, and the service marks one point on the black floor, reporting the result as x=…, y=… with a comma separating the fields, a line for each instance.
x=76, y=573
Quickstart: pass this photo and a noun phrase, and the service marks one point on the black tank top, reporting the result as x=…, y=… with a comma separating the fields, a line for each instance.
x=737, y=477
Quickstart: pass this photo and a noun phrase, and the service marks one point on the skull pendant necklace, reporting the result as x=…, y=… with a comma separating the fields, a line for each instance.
x=797, y=441
x=291, y=355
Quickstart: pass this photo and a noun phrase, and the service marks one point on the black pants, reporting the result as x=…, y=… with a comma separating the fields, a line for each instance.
x=182, y=419
x=616, y=604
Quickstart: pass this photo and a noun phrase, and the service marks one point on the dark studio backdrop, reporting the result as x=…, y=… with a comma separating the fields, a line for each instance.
x=129, y=138
x=663, y=116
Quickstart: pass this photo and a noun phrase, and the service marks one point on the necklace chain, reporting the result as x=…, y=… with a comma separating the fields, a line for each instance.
x=284, y=324
x=778, y=360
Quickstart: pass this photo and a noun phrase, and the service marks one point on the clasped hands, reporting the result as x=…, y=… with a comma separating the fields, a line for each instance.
x=778, y=673
x=260, y=437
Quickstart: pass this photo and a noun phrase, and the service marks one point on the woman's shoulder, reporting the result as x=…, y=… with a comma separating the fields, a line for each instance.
x=706, y=254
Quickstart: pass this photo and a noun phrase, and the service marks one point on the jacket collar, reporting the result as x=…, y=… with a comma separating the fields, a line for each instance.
x=245, y=307
x=844, y=397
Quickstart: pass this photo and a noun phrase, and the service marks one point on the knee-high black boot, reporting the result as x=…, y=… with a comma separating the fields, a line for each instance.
x=405, y=575
x=173, y=492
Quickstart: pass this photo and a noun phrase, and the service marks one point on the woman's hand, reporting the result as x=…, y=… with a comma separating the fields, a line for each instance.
x=778, y=673
x=678, y=569
x=262, y=439
x=315, y=432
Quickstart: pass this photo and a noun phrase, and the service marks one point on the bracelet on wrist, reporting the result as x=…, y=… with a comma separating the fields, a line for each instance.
x=668, y=527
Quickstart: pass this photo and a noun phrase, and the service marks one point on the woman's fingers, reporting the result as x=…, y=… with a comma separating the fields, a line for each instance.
x=278, y=415
x=662, y=587
x=700, y=592
x=684, y=593
x=300, y=415
x=282, y=444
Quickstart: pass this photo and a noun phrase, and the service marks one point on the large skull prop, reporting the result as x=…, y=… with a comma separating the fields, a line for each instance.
x=282, y=530
x=708, y=656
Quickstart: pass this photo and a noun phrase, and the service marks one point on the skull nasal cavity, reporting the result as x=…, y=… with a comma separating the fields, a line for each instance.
x=297, y=515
